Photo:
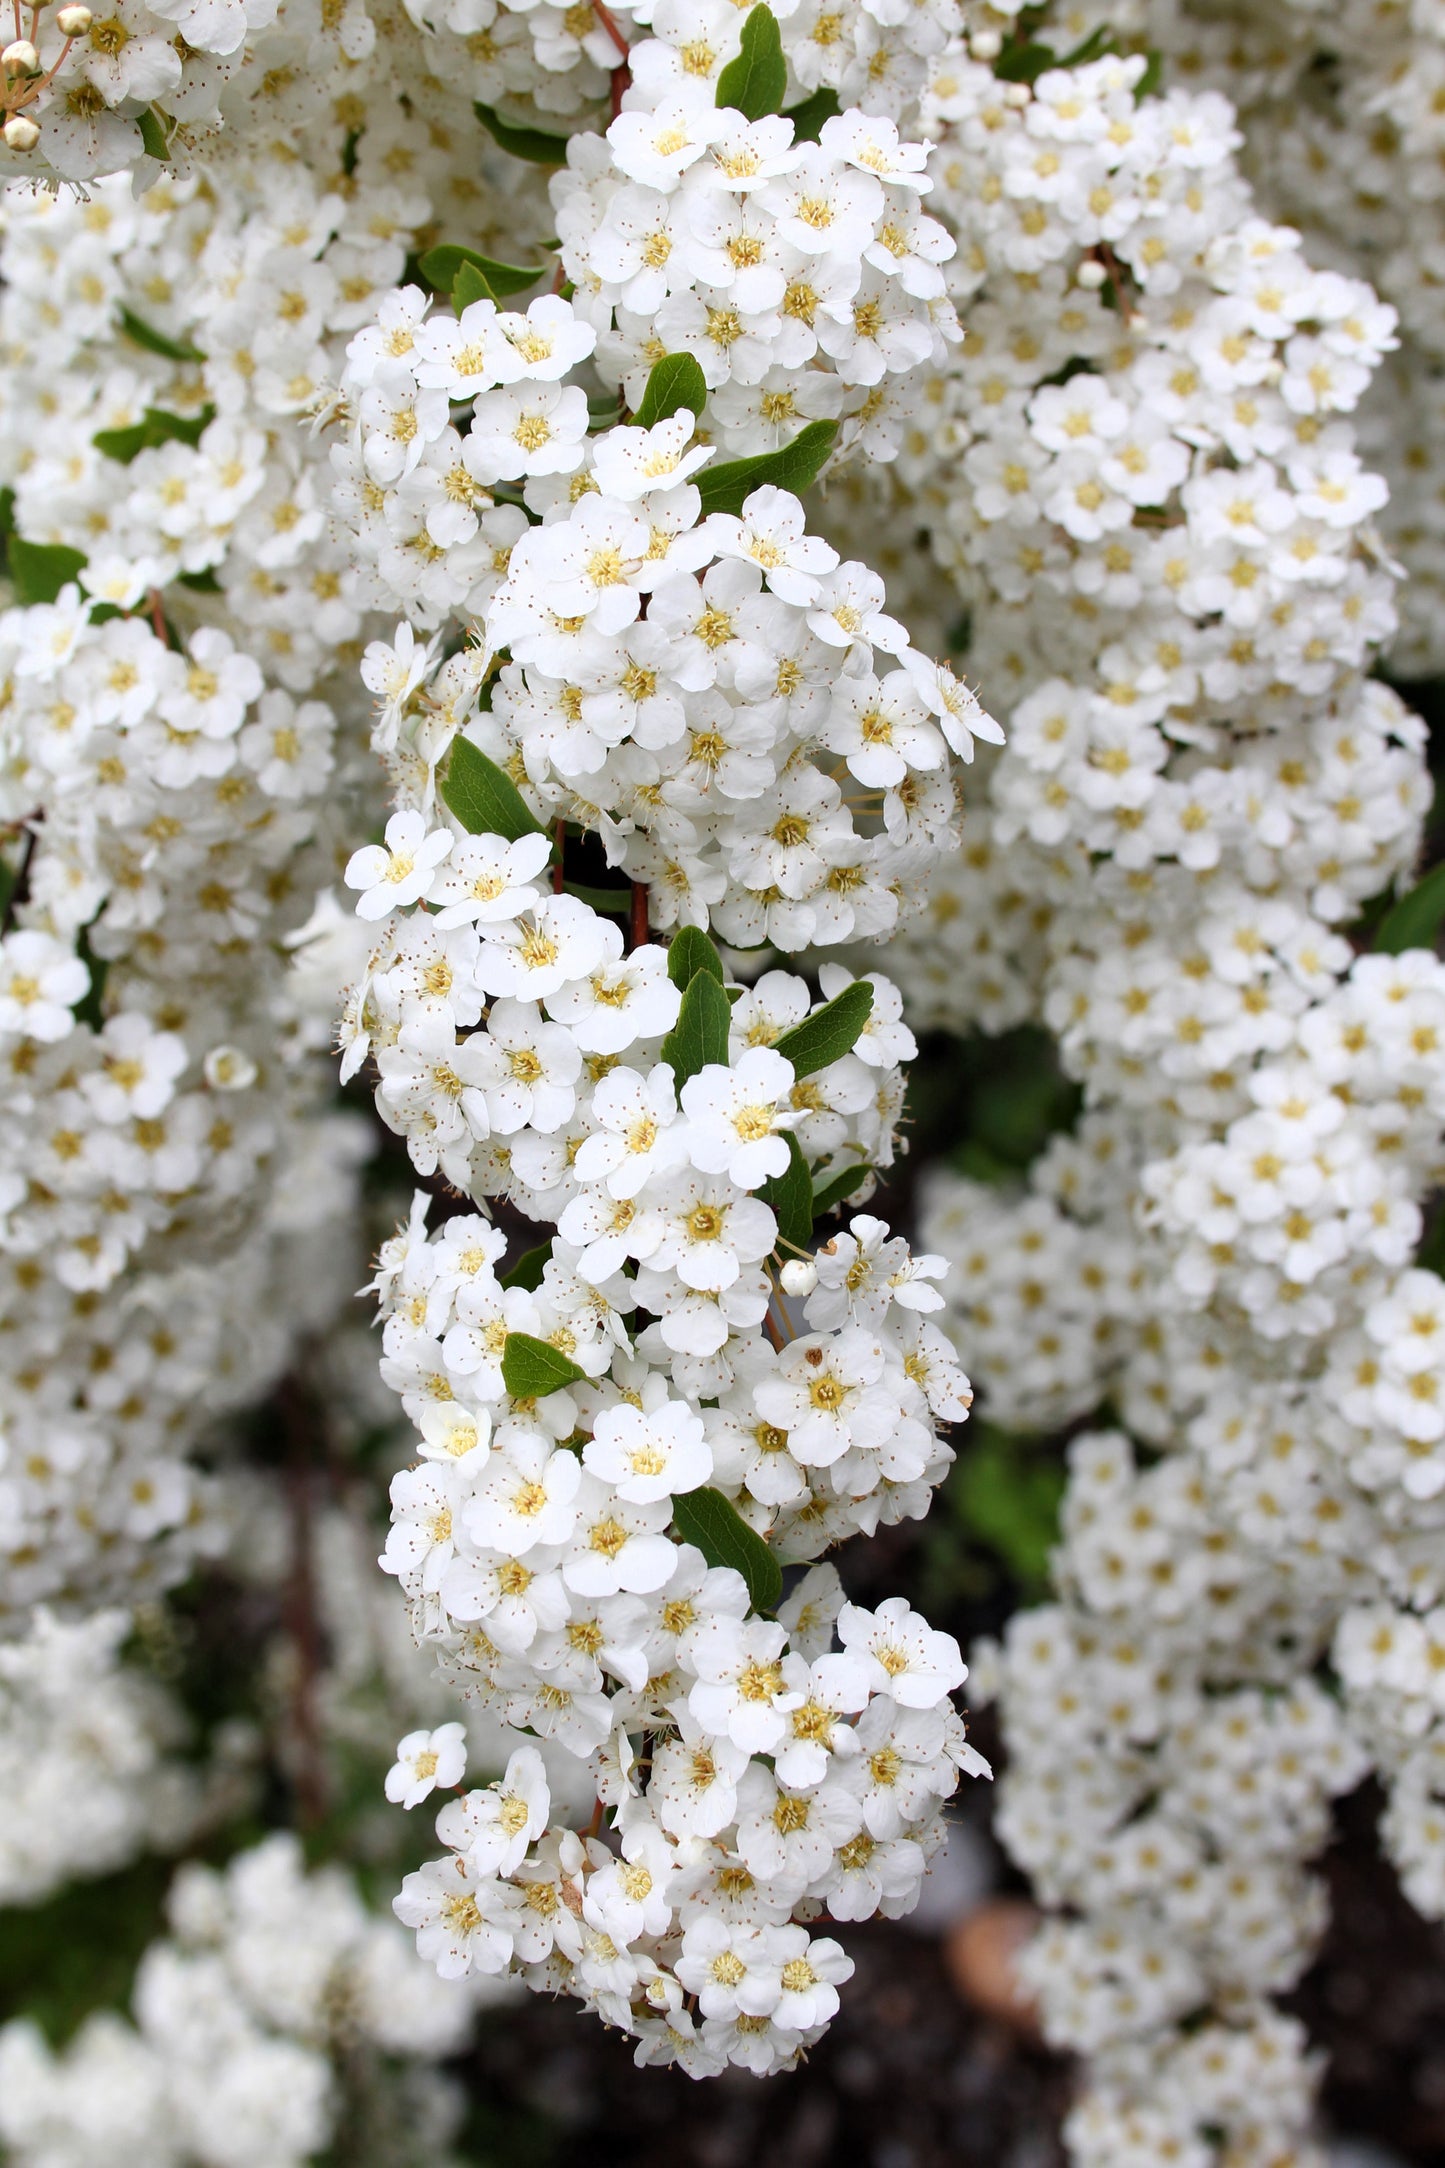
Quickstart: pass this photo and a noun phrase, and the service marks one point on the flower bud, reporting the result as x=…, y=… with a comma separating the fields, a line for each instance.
x=1091, y=275
x=230, y=1069
x=21, y=133
x=20, y=58
x=985, y=45
x=74, y=21
x=1016, y=94
x=799, y=1276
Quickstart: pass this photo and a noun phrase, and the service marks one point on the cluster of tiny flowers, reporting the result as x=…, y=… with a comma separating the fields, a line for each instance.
x=753, y=1776
x=804, y=276
x=624, y=1435
x=567, y=61
x=175, y=1192
x=1167, y=550
x=1344, y=129
x=88, y=1758
x=269, y=1979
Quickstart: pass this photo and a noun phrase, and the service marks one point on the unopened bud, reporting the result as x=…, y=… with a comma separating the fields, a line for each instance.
x=21, y=133
x=1091, y=275
x=20, y=58
x=985, y=45
x=74, y=21
x=229, y=1069
x=1016, y=94
x=799, y=1276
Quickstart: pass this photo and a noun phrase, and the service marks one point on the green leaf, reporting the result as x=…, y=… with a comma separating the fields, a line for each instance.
x=808, y=118
x=1100, y=40
x=485, y=800
x=689, y=952
x=791, y=1197
x=839, y=1187
x=1153, y=76
x=830, y=1032
x=618, y=901
x=755, y=83
x=156, y=426
x=707, y=1519
x=529, y=143
x=1024, y=62
x=700, y=1034
x=140, y=333
x=1414, y=922
x=531, y=1369
x=674, y=382
x=441, y=267
x=527, y=1271
x=40, y=569
x=796, y=467
x=1007, y=1500
x=200, y=583
x=154, y=140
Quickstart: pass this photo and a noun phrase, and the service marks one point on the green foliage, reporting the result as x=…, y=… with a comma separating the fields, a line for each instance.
x=78, y=1952
x=154, y=140
x=528, y=1270
x=796, y=467
x=831, y=1032
x=140, y=333
x=707, y=1519
x=38, y=570
x=538, y=148
x=756, y=82
x=1414, y=922
x=484, y=799
x=791, y=1196
x=491, y=281
x=689, y=952
x=808, y=118
x=839, y=1187
x=531, y=1369
x=700, y=1035
x=156, y=426
x=996, y=1516
x=674, y=382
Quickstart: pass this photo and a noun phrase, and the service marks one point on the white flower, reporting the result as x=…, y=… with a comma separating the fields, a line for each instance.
x=493, y=1829
x=401, y=871
x=736, y=1125
x=424, y=1760
x=649, y=1455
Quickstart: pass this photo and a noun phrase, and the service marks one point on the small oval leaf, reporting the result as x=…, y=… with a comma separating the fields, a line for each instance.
x=440, y=267
x=756, y=82
x=700, y=1034
x=531, y=1369
x=796, y=467
x=689, y=952
x=674, y=382
x=713, y=1523
x=1414, y=922
x=791, y=1197
x=529, y=143
x=38, y=570
x=483, y=797
x=830, y=1032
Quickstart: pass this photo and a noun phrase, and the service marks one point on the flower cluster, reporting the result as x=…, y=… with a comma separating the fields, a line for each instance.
x=1168, y=550
x=670, y=683
x=268, y=1977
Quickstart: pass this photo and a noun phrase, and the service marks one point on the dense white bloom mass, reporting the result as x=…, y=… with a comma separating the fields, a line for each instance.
x=418, y=586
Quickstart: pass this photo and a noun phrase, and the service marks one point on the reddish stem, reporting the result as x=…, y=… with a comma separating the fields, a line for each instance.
x=638, y=920
x=158, y=616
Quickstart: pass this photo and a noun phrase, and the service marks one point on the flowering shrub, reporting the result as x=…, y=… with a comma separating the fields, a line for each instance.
x=498, y=504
